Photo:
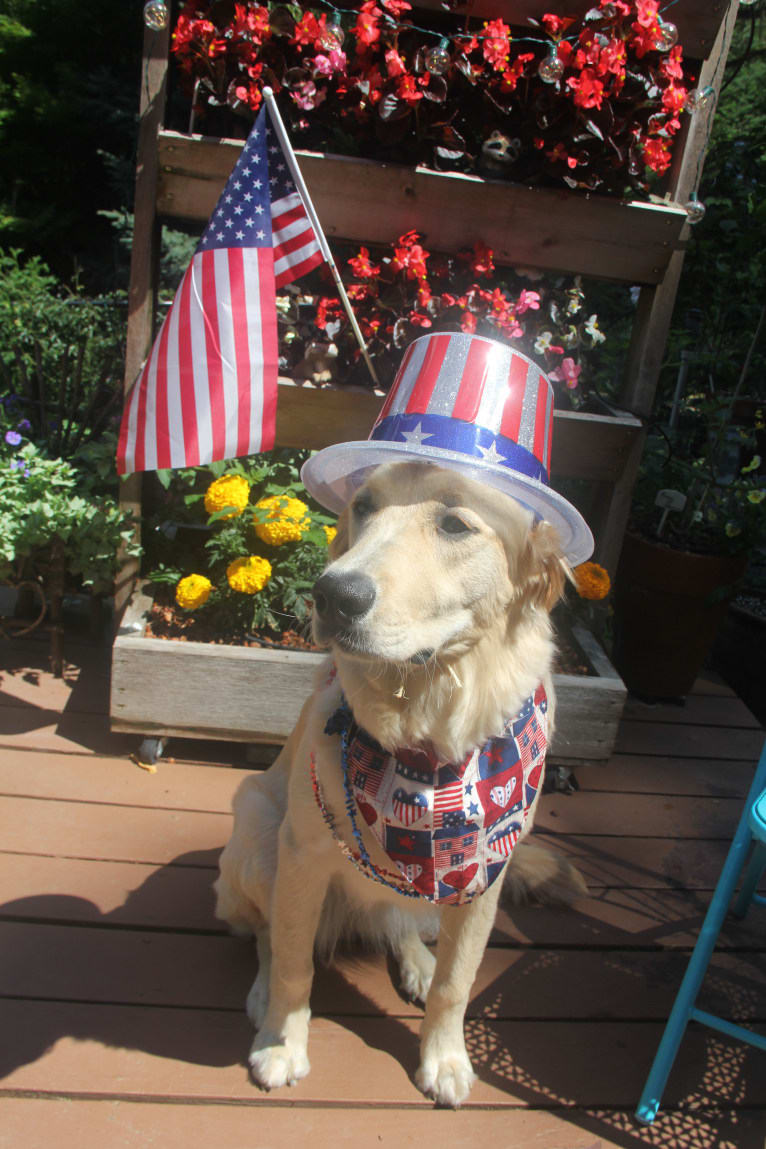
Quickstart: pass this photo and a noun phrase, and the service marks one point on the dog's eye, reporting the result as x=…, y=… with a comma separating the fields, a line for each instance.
x=363, y=506
x=454, y=525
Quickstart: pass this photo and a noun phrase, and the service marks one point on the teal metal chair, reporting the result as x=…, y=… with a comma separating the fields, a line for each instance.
x=749, y=836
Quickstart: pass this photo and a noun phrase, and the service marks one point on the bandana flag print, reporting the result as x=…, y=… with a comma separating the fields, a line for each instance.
x=209, y=388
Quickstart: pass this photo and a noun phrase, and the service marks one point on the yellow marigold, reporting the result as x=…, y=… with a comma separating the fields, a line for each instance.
x=286, y=522
x=330, y=532
x=592, y=581
x=248, y=575
x=228, y=491
x=193, y=591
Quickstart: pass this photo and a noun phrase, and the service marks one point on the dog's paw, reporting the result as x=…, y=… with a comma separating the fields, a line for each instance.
x=416, y=972
x=275, y=1065
x=447, y=1079
x=257, y=1001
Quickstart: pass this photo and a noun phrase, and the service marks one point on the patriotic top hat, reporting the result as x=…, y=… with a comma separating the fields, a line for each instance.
x=470, y=404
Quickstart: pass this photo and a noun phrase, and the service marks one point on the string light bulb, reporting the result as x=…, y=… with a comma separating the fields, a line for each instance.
x=438, y=58
x=333, y=35
x=695, y=211
x=698, y=98
x=666, y=37
x=155, y=15
x=551, y=69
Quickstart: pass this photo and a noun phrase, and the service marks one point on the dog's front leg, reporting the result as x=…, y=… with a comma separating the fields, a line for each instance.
x=279, y=1053
x=445, y=1071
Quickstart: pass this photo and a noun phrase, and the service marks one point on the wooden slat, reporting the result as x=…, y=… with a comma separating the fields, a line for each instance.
x=534, y=227
x=80, y=830
x=584, y=446
x=154, y=1052
x=98, y=892
x=108, y=893
x=118, y=780
x=638, y=815
x=697, y=710
x=689, y=741
x=127, y=967
x=121, y=1124
x=649, y=774
x=29, y=728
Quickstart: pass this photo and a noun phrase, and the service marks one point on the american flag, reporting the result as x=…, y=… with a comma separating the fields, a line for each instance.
x=209, y=388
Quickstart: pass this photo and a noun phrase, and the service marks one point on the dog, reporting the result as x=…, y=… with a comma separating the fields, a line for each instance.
x=435, y=608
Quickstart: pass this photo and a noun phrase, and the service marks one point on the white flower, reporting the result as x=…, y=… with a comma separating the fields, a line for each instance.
x=592, y=329
x=543, y=341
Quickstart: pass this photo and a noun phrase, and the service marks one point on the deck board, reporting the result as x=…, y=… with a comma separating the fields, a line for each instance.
x=123, y=994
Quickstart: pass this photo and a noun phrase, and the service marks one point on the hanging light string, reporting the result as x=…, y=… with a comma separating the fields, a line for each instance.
x=705, y=99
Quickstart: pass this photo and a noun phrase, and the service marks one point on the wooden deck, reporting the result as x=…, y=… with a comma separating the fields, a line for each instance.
x=122, y=998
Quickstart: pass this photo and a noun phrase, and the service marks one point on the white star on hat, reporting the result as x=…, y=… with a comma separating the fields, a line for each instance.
x=416, y=437
x=491, y=454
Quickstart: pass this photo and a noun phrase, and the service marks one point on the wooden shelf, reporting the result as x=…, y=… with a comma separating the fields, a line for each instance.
x=584, y=446
x=370, y=202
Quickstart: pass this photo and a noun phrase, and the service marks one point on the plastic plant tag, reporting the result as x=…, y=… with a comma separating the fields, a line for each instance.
x=670, y=500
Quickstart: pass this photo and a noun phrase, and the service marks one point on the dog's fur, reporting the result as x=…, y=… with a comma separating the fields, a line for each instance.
x=458, y=635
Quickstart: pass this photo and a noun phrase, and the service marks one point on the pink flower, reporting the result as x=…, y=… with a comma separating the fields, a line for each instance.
x=334, y=61
x=497, y=45
x=527, y=301
x=568, y=372
x=307, y=95
x=394, y=63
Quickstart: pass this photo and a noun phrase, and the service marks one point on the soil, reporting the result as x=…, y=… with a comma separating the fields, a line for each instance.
x=168, y=622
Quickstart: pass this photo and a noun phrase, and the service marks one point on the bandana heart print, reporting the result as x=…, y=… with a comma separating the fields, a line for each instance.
x=446, y=828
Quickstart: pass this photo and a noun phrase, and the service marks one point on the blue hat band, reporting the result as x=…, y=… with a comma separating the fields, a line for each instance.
x=446, y=433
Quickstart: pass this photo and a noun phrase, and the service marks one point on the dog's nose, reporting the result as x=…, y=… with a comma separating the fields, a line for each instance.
x=341, y=597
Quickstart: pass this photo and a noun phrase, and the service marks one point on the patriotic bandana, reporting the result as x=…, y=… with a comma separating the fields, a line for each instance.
x=448, y=829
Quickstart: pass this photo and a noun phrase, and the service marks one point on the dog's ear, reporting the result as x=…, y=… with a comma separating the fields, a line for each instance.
x=339, y=544
x=544, y=570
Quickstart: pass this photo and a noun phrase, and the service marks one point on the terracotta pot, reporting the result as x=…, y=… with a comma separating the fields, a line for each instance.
x=668, y=607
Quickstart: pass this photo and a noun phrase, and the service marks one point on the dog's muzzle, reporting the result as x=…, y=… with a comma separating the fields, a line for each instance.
x=342, y=598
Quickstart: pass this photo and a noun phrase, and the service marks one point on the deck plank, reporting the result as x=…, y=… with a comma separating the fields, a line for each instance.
x=133, y=967
x=156, y=1052
x=696, y=710
x=121, y=1124
x=689, y=741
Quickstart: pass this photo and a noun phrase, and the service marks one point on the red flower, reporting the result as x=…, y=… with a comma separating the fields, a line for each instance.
x=588, y=89
x=647, y=13
x=512, y=75
x=394, y=63
x=410, y=257
x=468, y=322
x=496, y=47
x=643, y=40
x=671, y=67
x=308, y=30
x=480, y=260
x=555, y=25
x=656, y=154
x=327, y=310
x=419, y=320
x=362, y=266
x=673, y=99
x=407, y=89
x=367, y=29
x=396, y=7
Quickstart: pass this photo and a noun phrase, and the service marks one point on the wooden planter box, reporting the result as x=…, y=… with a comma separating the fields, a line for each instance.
x=250, y=694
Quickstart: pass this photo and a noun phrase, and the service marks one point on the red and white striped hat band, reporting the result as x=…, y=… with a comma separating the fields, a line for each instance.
x=470, y=404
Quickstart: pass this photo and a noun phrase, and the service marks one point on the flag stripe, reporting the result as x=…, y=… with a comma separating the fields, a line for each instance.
x=240, y=421
x=211, y=300
x=189, y=407
x=269, y=343
x=296, y=270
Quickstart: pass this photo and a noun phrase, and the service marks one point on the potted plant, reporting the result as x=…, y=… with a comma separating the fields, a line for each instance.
x=698, y=514
x=60, y=526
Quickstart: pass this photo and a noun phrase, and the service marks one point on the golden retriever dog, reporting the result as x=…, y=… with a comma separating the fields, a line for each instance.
x=435, y=608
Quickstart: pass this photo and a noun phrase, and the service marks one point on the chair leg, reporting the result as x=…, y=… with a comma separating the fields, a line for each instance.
x=698, y=963
x=750, y=881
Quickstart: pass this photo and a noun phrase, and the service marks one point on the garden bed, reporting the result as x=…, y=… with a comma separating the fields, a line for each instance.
x=254, y=693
